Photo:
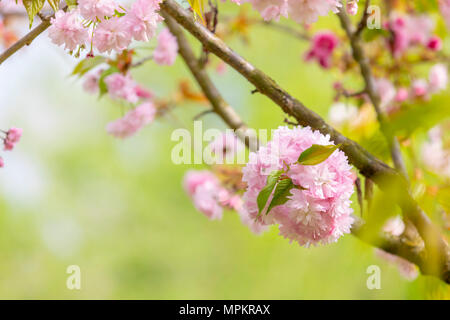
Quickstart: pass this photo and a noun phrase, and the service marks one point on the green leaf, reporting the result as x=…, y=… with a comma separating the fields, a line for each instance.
x=101, y=81
x=316, y=154
x=33, y=7
x=265, y=192
x=54, y=4
x=197, y=6
x=87, y=64
x=281, y=193
x=71, y=3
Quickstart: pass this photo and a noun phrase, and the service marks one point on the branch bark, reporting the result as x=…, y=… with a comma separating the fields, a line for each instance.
x=387, y=178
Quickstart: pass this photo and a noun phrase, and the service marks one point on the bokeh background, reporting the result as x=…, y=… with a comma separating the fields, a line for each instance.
x=71, y=194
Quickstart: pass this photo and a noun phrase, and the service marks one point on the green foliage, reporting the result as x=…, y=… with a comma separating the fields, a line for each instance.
x=316, y=154
x=33, y=7
x=421, y=116
x=281, y=193
x=87, y=64
x=101, y=81
x=265, y=192
x=198, y=7
x=54, y=4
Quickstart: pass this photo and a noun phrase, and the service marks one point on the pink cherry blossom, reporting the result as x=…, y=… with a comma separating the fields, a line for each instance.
x=434, y=154
x=438, y=78
x=133, y=121
x=394, y=226
x=322, y=47
x=14, y=134
x=226, y=144
x=2, y=163
x=143, y=18
x=97, y=9
x=386, y=90
x=420, y=87
x=308, y=11
x=444, y=6
x=112, y=34
x=194, y=178
x=167, y=48
x=122, y=87
x=90, y=83
x=406, y=269
x=320, y=212
x=402, y=95
x=66, y=29
x=341, y=114
x=271, y=9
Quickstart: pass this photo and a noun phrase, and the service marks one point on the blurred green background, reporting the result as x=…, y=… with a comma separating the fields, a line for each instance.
x=72, y=195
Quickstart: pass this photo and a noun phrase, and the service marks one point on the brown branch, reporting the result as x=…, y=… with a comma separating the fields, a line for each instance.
x=28, y=38
x=219, y=105
x=387, y=178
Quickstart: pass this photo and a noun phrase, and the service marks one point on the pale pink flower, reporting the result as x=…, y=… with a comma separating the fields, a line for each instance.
x=386, y=90
x=90, y=83
x=66, y=29
x=341, y=114
x=444, y=6
x=195, y=178
x=438, y=78
x=143, y=18
x=406, y=269
x=402, y=95
x=320, y=212
x=308, y=11
x=14, y=134
x=322, y=47
x=394, y=226
x=434, y=155
x=133, y=121
x=167, y=48
x=121, y=87
x=97, y=9
x=205, y=191
x=2, y=163
x=271, y=9
x=112, y=34
x=420, y=87
x=352, y=7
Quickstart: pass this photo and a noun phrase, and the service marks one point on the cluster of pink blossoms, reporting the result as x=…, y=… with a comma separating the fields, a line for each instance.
x=301, y=11
x=412, y=30
x=210, y=198
x=420, y=88
x=322, y=47
x=12, y=136
x=125, y=88
x=318, y=209
x=111, y=27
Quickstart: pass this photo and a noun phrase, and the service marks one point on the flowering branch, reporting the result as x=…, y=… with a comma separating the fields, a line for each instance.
x=387, y=178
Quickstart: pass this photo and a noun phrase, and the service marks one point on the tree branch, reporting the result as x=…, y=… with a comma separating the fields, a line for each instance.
x=219, y=105
x=387, y=178
x=28, y=38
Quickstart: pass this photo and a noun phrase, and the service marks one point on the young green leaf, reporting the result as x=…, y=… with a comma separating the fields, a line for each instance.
x=316, y=154
x=197, y=6
x=281, y=193
x=265, y=192
x=87, y=64
x=54, y=4
x=33, y=7
x=101, y=81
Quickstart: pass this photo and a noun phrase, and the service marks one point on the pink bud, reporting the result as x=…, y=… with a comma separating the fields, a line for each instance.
x=435, y=43
x=8, y=145
x=2, y=164
x=402, y=95
x=14, y=134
